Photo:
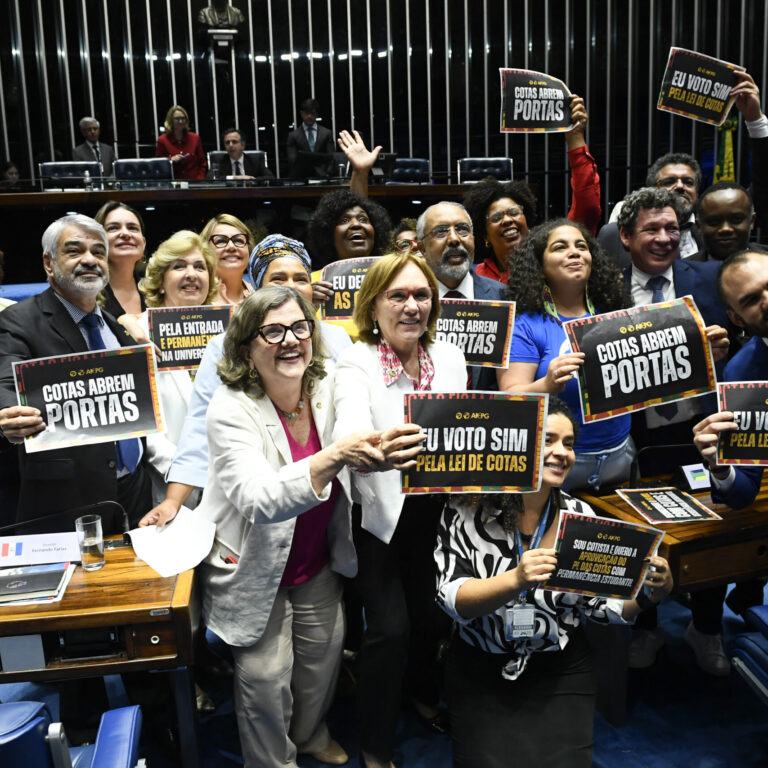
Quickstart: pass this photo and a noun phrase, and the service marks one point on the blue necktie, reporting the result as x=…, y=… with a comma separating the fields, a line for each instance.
x=657, y=284
x=128, y=451
x=311, y=138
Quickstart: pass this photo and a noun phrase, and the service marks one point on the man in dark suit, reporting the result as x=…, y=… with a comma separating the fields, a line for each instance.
x=64, y=319
x=309, y=137
x=92, y=148
x=445, y=237
x=237, y=163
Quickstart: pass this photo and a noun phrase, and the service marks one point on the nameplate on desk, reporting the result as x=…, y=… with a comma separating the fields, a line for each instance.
x=39, y=548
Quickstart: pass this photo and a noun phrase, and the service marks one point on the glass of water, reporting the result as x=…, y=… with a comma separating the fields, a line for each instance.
x=91, y=541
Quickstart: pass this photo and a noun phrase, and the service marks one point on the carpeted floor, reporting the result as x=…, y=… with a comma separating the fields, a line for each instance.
x=678, y=718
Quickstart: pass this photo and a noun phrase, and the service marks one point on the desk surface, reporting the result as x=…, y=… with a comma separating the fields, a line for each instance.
x=153, y=616
x=704, y=554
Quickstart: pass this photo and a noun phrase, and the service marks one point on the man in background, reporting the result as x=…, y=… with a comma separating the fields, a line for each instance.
x=237, y=163
x=93, y=149
x=309, y=137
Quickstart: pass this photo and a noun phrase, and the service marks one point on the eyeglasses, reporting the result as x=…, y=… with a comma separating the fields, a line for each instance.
x=275, y=333
x=398, y=296
x=497, y=216
x=441, y=231
x=403, y=245
x=220, y=241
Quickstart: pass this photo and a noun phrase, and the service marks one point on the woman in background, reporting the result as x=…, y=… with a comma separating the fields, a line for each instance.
x=181, y=146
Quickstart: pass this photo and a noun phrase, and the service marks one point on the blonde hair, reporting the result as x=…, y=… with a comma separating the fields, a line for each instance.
x=223, y=218
x=176, y=247
x=168, y=124
x=381, y=273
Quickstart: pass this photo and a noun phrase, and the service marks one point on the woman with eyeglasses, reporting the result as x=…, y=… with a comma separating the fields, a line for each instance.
x=278, y=492
x=181, y=146
x=405, y=237
x=230, y=240
x=502, y=213
x=396, y=314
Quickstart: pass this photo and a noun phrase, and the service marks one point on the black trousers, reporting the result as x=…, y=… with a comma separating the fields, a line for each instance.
x=404, y=626
x=544, y=719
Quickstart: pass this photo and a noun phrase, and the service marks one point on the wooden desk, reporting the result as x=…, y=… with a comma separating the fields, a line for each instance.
x=705, y=554
x=148, y=621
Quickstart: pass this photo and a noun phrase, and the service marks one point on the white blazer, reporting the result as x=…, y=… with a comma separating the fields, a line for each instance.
x=363, y=401
x=254, y=493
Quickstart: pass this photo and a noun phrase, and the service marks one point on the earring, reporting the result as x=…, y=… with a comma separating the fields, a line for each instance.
x=253, y=374
x=375, y=327
x=162, y=291
x=487, y=244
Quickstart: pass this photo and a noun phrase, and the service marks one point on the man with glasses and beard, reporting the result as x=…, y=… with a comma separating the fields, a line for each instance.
x=445, y=237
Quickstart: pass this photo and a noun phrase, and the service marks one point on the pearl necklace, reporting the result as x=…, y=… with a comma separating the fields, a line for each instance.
x=294, y=413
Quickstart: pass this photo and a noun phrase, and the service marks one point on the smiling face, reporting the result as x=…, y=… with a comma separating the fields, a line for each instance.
x=80, y=269
x=279, y=365
x=505, y=228
x=186, y=281
x=559, y=456
x=725, y=220
x=289, y=272
x=179, y=122
x=448, y=250
x=353, y=235
x=233, y=259
x=654, y=243
x=567, y=259
x=680, y=179
x=402, y=325
x=124, y=235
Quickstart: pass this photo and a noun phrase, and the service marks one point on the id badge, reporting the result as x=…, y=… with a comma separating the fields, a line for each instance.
x=520, y=621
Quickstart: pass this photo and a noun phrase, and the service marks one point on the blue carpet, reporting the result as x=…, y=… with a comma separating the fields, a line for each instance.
x=678, y=718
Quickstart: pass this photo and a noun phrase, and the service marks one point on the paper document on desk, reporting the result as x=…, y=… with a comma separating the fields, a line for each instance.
x=176, y=547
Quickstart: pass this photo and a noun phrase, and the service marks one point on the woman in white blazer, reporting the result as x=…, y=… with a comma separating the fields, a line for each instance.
x=277, y=491
x=181, y=273
x=396, y=313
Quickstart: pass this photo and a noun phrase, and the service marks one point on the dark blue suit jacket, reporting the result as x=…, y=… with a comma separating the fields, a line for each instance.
x=490, y=290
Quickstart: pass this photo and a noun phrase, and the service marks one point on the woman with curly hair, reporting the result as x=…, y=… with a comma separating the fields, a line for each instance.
x=560, y=274
x=504, y=212
x=494, y=555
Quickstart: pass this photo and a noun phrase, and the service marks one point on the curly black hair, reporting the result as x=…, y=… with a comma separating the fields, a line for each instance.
x=482, y=195
x=526, y=282
x=325, y=217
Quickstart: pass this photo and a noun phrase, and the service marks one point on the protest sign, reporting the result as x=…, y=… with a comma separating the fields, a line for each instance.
x=601, y=557
x=749, y=443
x=90, y=397
x=666, y=505
x=642, y=356
x=481, y=329
x=346, y=276
x=532, y=102
x=465, y=452
x=697, y=86
x=182, y=333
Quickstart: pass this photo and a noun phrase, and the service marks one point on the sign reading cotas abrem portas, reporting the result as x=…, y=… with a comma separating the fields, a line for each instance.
x=481, y=329
x=532, y=102
x=748, y=401
x=476, y=442
x=90, y=397
x=182, y=333
x=639, y=357
x=346, y=277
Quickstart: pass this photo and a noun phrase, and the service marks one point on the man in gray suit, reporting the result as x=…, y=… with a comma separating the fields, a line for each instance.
x=92, y=148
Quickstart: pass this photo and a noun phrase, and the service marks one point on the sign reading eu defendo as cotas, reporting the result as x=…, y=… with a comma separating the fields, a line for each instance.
x=697, y=86
x=747, y=445
x=90, y=397
x=181, y=334
x=642, y=356
x=481, y=329
x=532, y=102
x=477, y=442
x=346, y=277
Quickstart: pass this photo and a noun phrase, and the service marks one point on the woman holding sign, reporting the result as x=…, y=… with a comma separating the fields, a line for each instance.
x=181, y=273
x=396, y=313
x=277, y=491
x=561, y=273
x=519, y=671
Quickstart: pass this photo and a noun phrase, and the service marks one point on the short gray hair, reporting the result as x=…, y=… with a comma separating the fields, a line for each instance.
x=422, y=220
x=53, y=233
x=649, y=198
x=87, y=121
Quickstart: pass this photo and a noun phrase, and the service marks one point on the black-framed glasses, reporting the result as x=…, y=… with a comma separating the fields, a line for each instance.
x=275, y=333
x=398, y=296
x=441, y=231
x=221, y=241
x=404, y=244
x=513, y=212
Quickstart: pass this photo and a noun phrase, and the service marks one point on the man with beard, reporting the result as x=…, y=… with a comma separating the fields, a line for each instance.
x=445, y=237
x=61, y=320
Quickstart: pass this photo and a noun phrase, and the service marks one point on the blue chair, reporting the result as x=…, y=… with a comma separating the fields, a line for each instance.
x=472, y=169
x=410, y=170
x=749, y=651
x=142, y=172
x=70, y=173
x=28, y=738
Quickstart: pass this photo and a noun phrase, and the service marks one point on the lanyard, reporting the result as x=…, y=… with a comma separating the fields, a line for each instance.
x=536, y=537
